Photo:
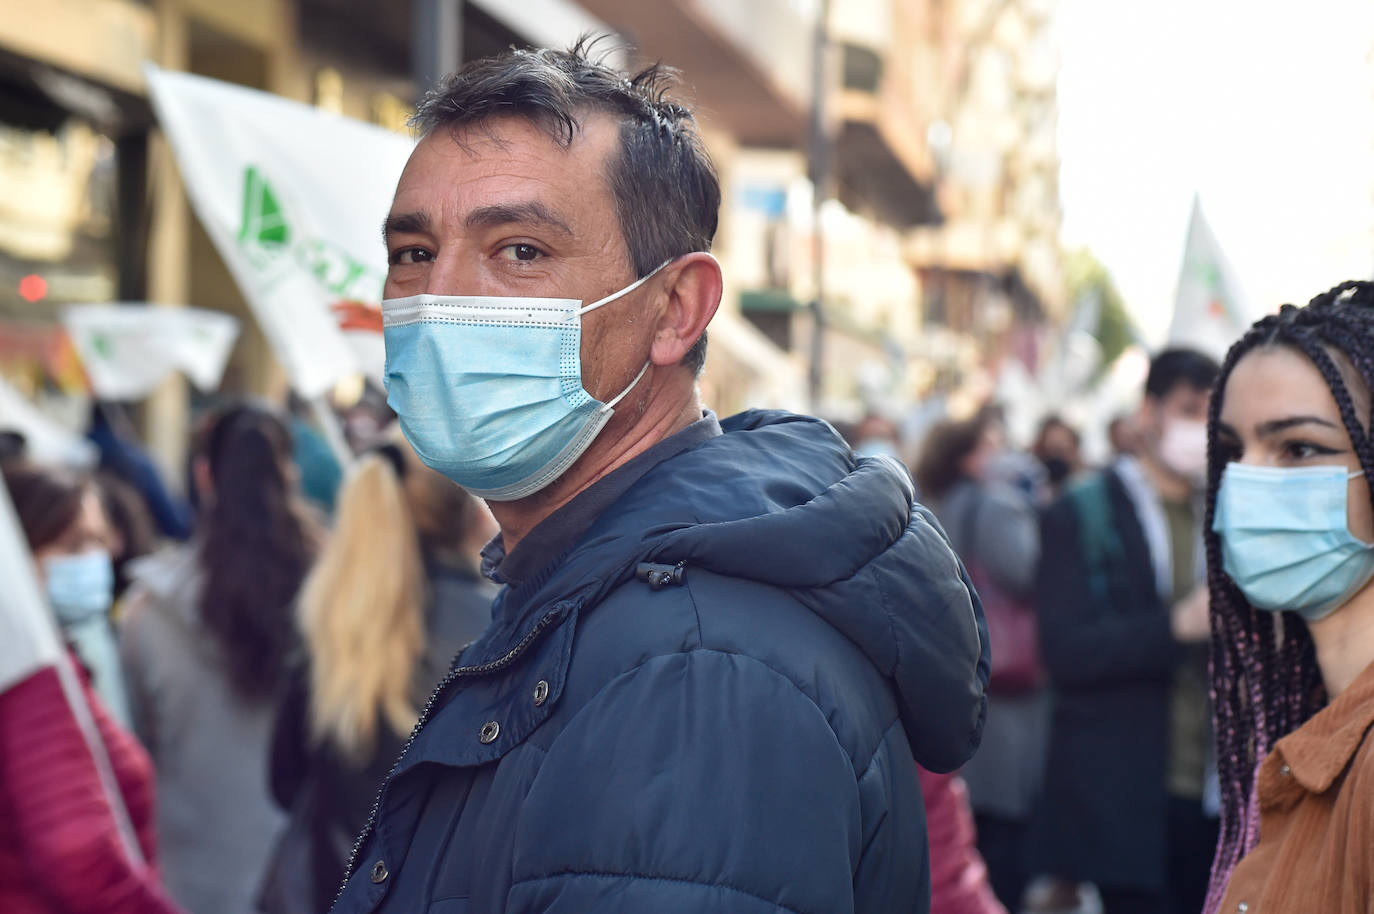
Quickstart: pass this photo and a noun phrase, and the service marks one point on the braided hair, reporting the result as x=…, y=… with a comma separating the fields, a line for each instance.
x=1265, y=678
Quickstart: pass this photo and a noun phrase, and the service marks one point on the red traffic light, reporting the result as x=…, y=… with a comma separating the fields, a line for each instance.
x=33, y=288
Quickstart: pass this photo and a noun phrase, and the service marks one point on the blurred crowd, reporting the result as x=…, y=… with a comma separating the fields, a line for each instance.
x=256, y=653
x=249, y=660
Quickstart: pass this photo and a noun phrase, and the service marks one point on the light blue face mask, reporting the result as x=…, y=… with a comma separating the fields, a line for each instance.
x=1285, y=539
x=81, y=586
x=81, y=591
x=489, y=389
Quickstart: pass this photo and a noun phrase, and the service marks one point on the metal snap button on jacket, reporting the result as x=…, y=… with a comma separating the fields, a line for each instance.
x=379, y=872
x=490, y=730
x=541, y=692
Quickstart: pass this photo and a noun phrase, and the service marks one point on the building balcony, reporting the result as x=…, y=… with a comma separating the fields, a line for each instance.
x=747, y=64
x=882, y=162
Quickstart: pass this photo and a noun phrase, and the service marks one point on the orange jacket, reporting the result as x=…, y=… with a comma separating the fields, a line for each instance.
x=1316, y=797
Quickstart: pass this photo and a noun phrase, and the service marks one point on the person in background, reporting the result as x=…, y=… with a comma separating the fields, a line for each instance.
x=13, y=446
x=205, y=637
x=392, y=599
x=993, y=526
x=134, y=534
x=1123, y=625
x=123, y=455
x=1124, y=436
x=1059, y=447
x=321, y=474
x=1290, y=549
x=958, y=875
x=65, y=511
x=877, y=435
x=62, y=843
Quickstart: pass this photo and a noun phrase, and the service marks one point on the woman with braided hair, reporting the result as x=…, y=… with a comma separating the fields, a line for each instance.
x=1290, y=555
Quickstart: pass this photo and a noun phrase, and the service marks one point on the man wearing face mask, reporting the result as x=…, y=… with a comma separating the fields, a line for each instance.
x=1123, y=606
x=721, y=645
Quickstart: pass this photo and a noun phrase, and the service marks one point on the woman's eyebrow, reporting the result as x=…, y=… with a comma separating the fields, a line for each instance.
x=1274, y=426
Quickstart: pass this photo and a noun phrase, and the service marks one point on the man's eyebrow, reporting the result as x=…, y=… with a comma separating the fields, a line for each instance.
x=531, y=211
x=406, y=224
x=1273, y=427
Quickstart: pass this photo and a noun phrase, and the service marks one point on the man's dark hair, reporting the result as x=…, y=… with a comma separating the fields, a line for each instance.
x=1175, y=367
x=666, y=191
x=1053, y=421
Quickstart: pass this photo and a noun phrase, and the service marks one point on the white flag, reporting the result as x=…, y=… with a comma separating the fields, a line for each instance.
x=28, y=640
x=129, y=349
x=45, y=440
x=1210, y=309
x=294, y=199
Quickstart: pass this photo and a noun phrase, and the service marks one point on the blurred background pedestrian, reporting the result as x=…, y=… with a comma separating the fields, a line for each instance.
x=994, y=526
x=1123, y=625
x=1060, y=448
x=205, y=640
x=394, y=596
x=66, y=844
x=64, y=513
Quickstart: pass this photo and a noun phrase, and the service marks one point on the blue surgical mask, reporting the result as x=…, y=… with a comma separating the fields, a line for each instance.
x=489, y=389
x=1285, y=540
x=80, y=586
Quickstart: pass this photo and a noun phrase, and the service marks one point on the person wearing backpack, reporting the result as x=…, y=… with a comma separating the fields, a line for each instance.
x=1123, y=628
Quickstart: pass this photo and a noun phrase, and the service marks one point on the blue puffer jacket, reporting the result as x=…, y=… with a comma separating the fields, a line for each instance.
x=740, y=739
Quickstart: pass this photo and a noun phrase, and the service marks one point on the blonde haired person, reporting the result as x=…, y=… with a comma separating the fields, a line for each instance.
x=389, y=603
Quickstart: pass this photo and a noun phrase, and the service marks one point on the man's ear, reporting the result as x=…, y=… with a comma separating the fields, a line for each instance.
x=694, y=288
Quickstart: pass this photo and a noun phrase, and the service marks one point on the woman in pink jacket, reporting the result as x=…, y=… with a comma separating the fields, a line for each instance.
x=958, y=876
x=62, y=850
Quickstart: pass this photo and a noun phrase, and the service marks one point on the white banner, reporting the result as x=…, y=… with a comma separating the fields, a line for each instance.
x=46, y=441
x=294, y=199
x=129, y=349
x=28, y=640
x=1210, y=309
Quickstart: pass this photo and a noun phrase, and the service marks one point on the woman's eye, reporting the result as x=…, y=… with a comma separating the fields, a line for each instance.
x=525, y=253
x=1306, y=450
x=408, y=256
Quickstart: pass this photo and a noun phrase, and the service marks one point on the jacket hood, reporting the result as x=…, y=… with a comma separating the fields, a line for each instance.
x=171, y=576
x=781, y=499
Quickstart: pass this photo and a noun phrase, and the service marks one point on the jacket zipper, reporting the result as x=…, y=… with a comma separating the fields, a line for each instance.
x=455, y=674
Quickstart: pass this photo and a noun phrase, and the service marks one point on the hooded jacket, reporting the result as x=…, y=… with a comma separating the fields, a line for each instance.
x=711, y=702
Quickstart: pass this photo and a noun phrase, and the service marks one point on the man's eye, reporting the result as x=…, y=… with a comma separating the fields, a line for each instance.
x=525, y=253
x=407, y=256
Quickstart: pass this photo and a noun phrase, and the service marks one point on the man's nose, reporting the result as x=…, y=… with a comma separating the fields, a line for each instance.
x=451, y=274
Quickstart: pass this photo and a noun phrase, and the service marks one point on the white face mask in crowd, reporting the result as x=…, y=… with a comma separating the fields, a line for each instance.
x=489, y=390
x=1183, y=449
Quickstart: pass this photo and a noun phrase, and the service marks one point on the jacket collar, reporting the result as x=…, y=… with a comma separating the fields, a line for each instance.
x=1317, y=753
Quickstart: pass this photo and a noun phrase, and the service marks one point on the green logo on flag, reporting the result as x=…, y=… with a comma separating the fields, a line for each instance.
x=263, y=222
x=265, y=236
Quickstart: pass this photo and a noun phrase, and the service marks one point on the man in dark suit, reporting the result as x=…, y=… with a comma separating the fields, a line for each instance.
x=1123, y=614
